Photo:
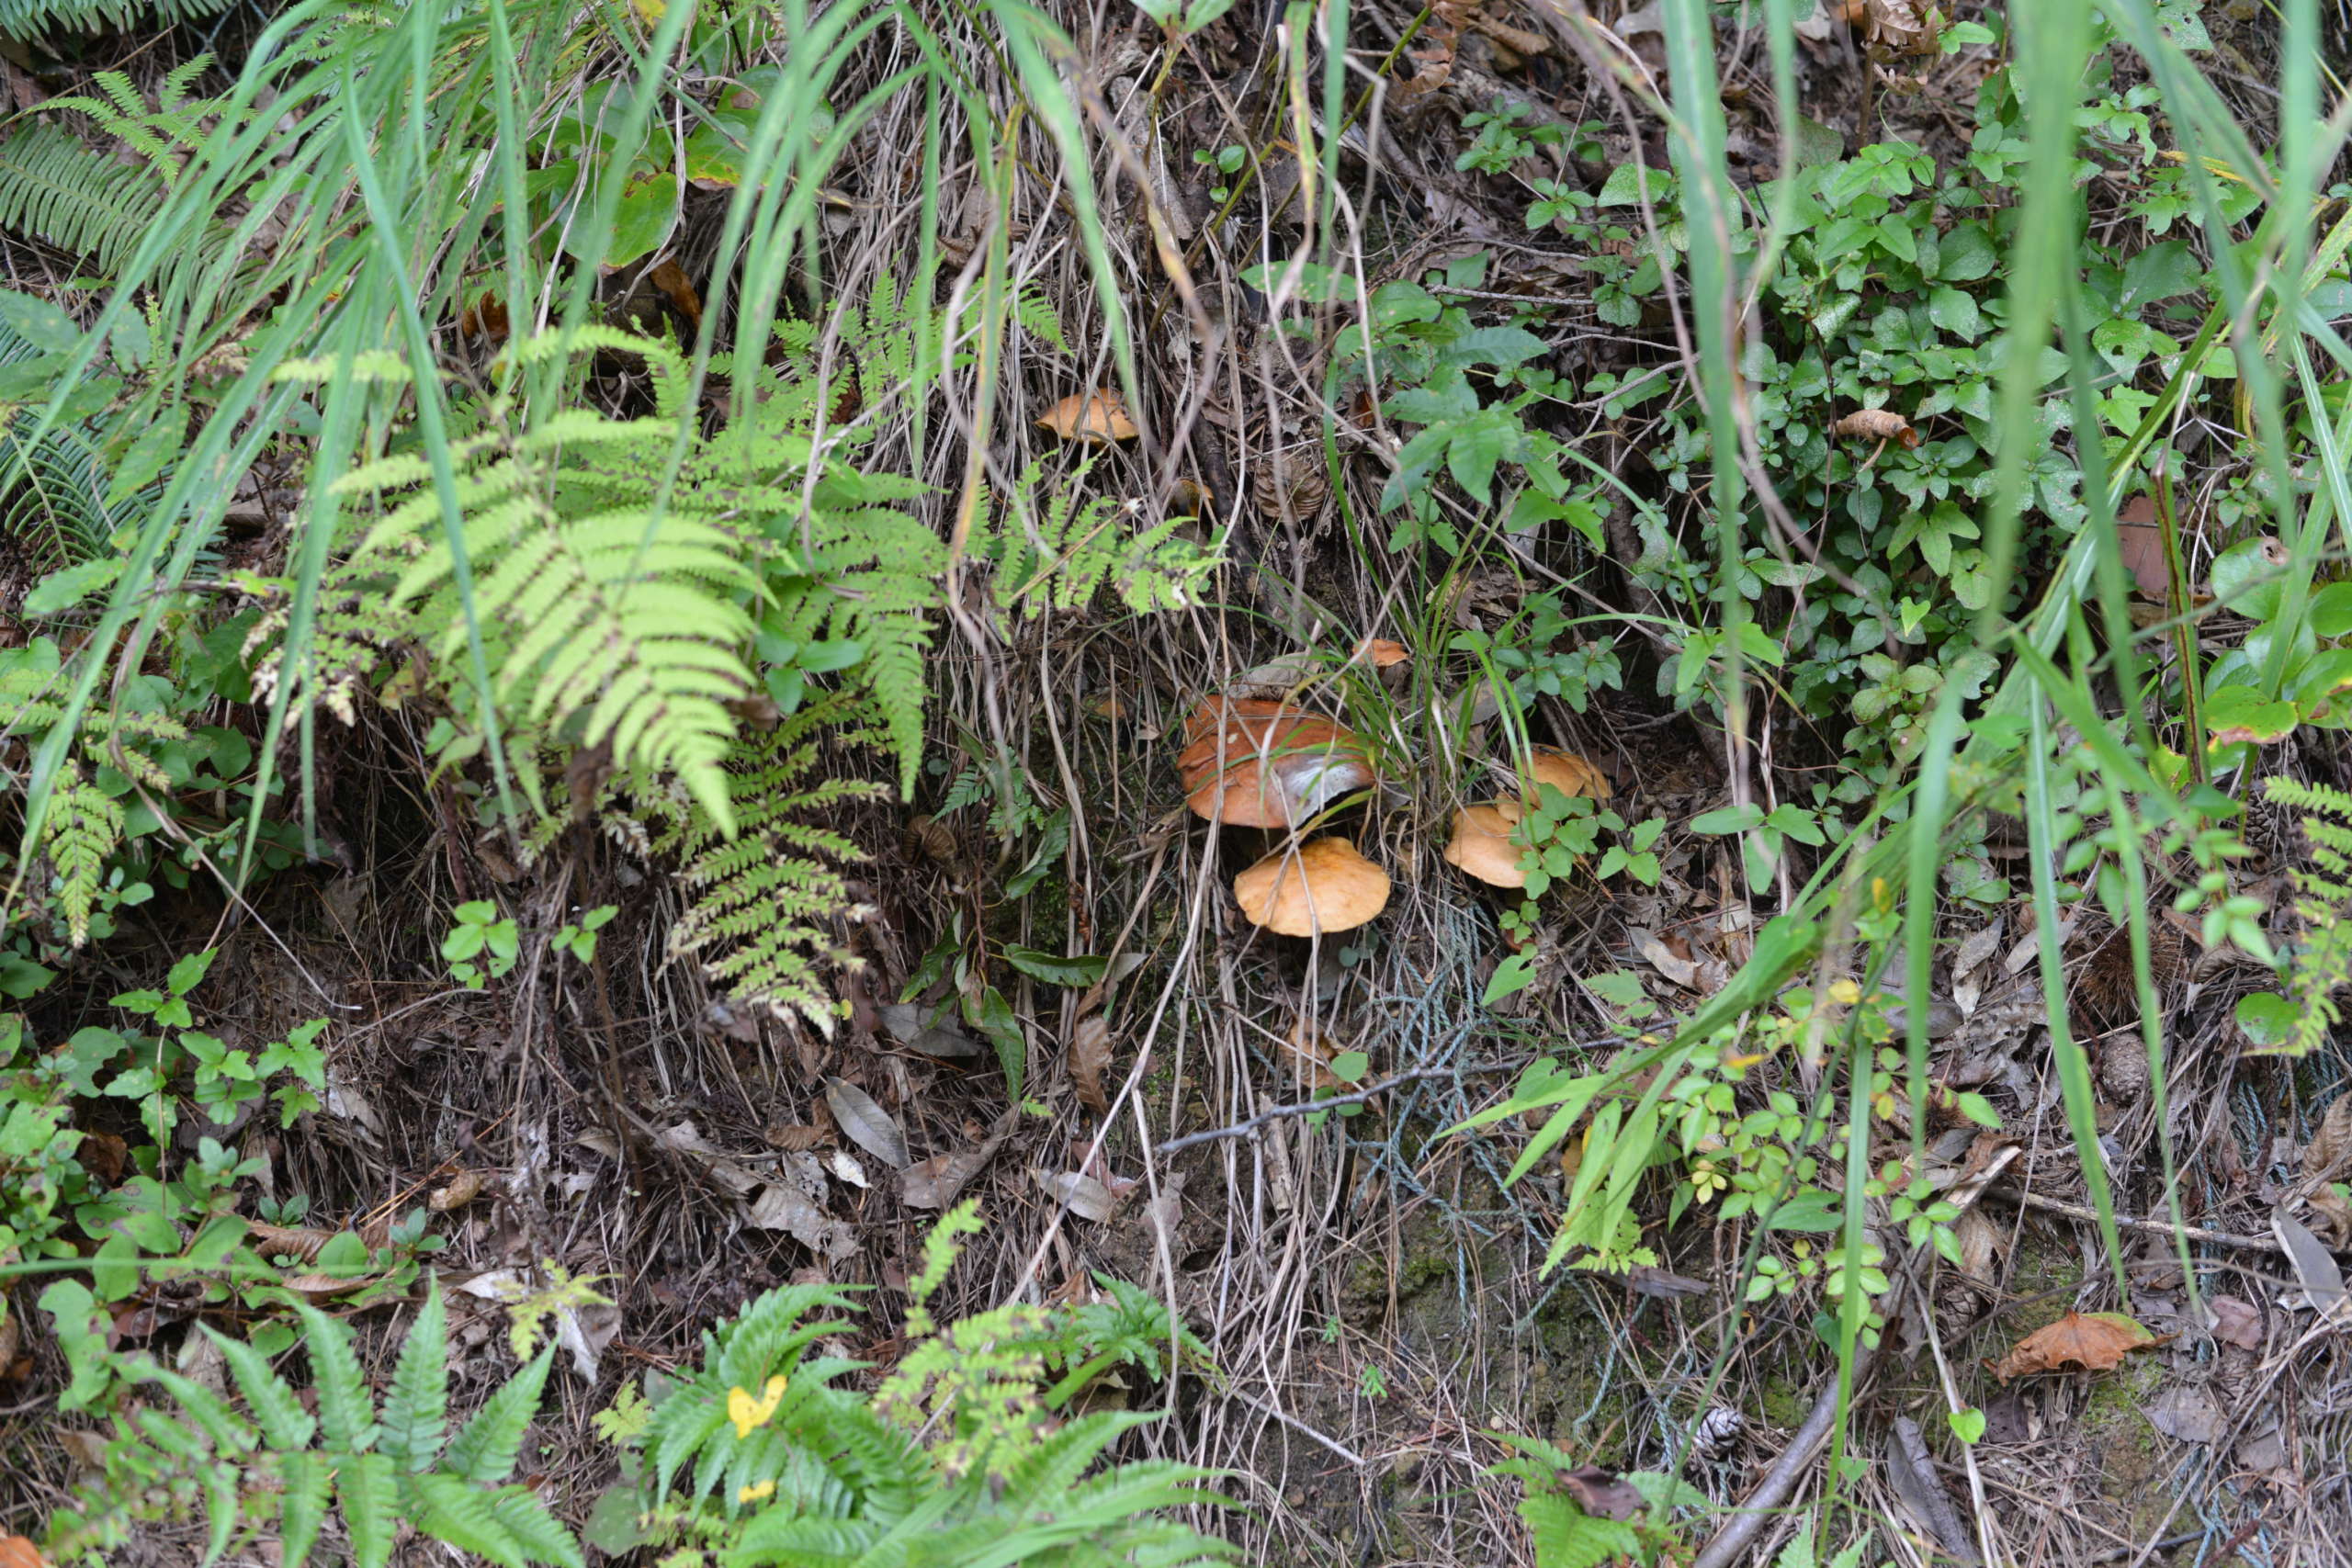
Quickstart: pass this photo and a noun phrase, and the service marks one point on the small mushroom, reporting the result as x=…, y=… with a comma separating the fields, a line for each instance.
x=1324, y=886
x=1099, y=416
x=1482, y=846
x=1253, y=763
x=1564, y=771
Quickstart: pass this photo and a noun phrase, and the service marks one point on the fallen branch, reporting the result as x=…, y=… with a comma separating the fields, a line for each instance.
x=1259, y=1123
x=2022, y=1199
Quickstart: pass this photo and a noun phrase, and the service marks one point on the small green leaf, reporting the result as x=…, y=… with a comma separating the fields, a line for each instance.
x=188, y=972
x=1083, y=969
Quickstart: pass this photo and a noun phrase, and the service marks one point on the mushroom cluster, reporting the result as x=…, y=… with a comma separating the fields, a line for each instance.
x=1248, y=763
x=1481, y=845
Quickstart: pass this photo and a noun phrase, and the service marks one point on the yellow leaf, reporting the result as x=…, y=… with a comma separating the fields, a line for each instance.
x=747, y=1413
x=753, y=1494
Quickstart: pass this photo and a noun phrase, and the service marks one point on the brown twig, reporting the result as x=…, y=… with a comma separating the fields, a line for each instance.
x=2156, y=1227
x=1257, y=1123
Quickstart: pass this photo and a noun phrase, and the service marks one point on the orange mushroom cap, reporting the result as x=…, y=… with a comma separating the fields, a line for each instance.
x=1324, y=886
x=1564, y=771
x=1099, y=416
x=1481, y=843
x=1253, y=763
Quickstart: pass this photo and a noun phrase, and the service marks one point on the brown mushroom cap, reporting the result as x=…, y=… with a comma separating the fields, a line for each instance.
x=1482, y=846
x=1564, y=771
x=1324, y=886
x=1253, y=763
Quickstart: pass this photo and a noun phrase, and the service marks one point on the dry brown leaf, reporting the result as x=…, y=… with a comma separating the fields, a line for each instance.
x=1877, y=425
x=1677, y=966
x=300, y=1243
x=1604, y=1493
x=780, y=1206
x=16, y=1551
x=792, y=1136
x=2334, y=1215
x=1089, y=1057
x=1896, y=28
x=322, y=1287
x=679, y=289
x=1082, y=1195
x=934, y=1183
x=2236, y=1322
x=2096, y=1341
x=463, y=1188
x=2142, y=545
x=1382, y=651
x=2331, y=1147
x=1100, y=416
x=869, y=1126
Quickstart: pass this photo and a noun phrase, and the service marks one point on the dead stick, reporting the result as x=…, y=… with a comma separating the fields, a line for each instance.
x=1734, y=1537
x=2158, y=1227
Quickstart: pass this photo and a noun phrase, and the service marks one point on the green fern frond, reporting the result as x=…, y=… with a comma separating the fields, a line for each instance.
x=2321, y=964
x=416, y=1405
x=40, y=19
x=628, y=629
x=57, y=190
x=1062, y=555
x=84, y=827
x=377, y=1476
x=764, y=900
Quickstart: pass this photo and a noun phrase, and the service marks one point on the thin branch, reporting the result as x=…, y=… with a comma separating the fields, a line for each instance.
x=2156, y=1227
x=1309, y=1107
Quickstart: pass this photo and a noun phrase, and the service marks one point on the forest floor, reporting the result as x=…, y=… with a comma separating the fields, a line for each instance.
x=1372, y=1289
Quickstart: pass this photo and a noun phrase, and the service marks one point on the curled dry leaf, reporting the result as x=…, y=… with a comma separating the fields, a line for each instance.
x=864, y=1121
x=16, y=1551
x=792, y=1137
x=1100, y=416
x=843, y=1166
x=1082, y=1195
x=463, y=1188
x=2094, y=1341
x=2330, y=1149
x=1380, y=652
x=1089, y=1057
x=1893, y=29
x=303, y=1242
x=1877, y=425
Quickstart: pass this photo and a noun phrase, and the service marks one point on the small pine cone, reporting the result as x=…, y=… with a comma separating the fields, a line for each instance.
x=2123, y=1068
x=1295, y=475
